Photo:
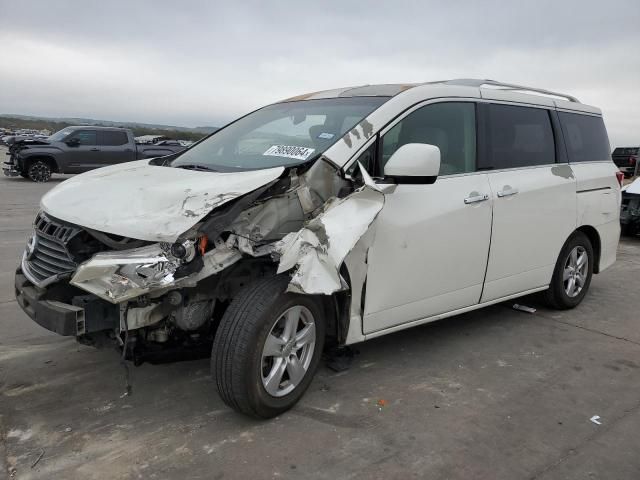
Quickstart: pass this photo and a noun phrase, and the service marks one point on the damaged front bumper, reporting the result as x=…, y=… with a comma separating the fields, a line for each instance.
x=10, y=169
x=84, y=315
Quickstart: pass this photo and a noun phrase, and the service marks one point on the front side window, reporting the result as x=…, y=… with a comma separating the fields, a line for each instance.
x=283, y=134
x=585, y=136
x=450, y=126
x=84, y=137
x=519, y=137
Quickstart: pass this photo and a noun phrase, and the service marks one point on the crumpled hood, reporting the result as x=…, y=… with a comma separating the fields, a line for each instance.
x=148, y=202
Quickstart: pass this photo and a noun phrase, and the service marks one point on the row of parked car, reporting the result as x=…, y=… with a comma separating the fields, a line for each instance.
x=8, y=137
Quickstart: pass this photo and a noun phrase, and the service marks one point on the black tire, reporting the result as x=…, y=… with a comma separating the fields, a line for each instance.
x=39, y=171
x=236, y=359
x=556, y=296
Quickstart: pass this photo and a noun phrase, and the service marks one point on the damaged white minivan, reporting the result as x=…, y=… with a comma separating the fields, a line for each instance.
x=325, y=220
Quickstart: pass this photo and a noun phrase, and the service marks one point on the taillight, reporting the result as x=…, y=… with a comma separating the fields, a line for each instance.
x=632, y=160
x=619, y=177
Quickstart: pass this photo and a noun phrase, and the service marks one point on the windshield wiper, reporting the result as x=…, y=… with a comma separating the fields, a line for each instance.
x=196, y=166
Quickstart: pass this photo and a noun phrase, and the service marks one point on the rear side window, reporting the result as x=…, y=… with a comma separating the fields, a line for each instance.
x=113, y=138
x=85, y=137
x=586, y=137
x=519, y=137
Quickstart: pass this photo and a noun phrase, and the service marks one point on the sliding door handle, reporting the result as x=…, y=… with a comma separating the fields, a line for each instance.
x=476, y=198
x=507, y=192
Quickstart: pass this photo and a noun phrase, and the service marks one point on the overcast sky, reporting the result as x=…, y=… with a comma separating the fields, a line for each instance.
x=203, y=63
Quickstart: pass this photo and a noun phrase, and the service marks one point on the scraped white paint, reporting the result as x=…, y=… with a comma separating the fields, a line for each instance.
x=148, y=202
x=318, y=249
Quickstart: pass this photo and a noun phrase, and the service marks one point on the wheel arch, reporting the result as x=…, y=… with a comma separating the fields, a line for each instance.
x=48, y=159
x=336, y=307
x=594, y=237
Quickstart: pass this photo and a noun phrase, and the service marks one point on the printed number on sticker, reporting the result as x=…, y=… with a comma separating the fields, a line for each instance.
x=289, y=151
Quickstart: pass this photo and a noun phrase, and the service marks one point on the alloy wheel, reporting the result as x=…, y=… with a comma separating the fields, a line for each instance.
x=576, y=268
x=39, y=172
x=288, y=351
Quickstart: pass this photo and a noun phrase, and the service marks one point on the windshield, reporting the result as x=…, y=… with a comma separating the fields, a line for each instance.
x=283, y=134
x=60, y=134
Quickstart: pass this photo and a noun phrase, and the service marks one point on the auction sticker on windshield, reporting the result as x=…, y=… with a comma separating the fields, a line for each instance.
x=289, y=151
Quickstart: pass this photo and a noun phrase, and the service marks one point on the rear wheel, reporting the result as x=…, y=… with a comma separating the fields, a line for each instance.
x=39, y=171
x=572, y=273
x=267, y=348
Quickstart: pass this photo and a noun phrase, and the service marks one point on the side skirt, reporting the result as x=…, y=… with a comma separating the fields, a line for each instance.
x=440, y=316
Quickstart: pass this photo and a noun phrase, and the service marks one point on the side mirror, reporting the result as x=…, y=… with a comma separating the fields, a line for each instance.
x=72, y=142
x=414, y=163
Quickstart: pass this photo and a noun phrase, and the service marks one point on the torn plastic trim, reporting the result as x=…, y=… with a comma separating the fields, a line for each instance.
x=318, y=250
x=123, y=275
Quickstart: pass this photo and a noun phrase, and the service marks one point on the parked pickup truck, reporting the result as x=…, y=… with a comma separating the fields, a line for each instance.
x=77, y=150
x=626, y=159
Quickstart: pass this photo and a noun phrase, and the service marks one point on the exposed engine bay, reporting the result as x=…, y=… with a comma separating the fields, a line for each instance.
x=162, y=299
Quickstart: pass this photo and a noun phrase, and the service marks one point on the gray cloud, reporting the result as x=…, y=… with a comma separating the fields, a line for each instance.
x=197, y=63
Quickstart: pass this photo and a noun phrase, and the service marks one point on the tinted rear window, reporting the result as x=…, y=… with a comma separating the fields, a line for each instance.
x=586, y=137
x=113, y=138
x=520, y=137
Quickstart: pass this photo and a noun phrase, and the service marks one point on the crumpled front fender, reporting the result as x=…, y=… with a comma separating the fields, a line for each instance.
x=316, y=252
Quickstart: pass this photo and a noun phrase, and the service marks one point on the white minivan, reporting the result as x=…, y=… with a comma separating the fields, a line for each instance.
x=325, y=220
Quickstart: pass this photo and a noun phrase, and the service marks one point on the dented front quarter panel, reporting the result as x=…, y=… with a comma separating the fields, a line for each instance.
x=317, y=251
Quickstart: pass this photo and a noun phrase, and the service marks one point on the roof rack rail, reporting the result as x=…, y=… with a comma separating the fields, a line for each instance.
x=475, y=82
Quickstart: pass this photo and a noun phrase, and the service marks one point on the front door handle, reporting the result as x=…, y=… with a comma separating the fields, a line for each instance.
x=94, y=150
x=476, y=198
x=507, y=191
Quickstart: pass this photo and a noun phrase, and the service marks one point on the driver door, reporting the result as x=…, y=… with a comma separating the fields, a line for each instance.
x=429, y=254
x=84, y=154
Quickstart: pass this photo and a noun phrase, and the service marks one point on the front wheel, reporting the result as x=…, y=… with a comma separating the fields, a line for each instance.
x=39, y=171
x=572, y=274
x=267, y=348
